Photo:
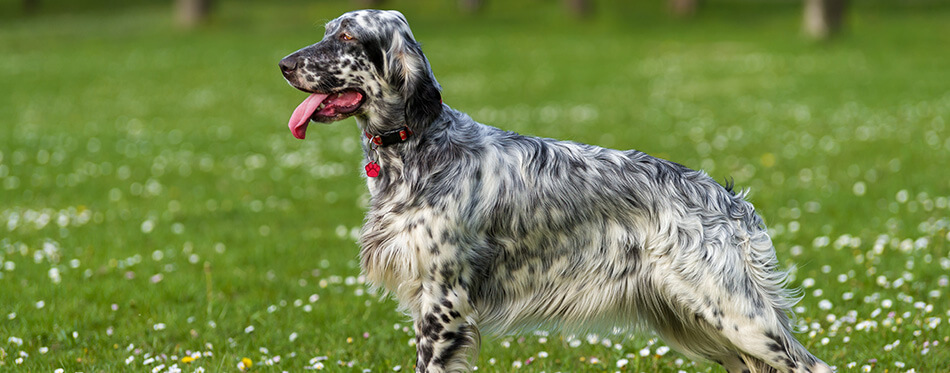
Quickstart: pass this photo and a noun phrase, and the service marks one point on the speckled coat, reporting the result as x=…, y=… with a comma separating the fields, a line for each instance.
x=475, y=228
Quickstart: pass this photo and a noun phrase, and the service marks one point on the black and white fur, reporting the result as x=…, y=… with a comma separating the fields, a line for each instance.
x=475, y=228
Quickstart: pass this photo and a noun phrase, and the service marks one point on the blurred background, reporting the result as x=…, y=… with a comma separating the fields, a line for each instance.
x=153, y=202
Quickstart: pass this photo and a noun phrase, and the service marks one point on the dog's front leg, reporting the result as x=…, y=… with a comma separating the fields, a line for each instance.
x=444, y=330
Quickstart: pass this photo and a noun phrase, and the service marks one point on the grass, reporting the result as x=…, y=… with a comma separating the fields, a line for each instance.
x=153, y=204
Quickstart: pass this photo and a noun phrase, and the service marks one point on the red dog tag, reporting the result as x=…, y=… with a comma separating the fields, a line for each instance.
x=372, y=169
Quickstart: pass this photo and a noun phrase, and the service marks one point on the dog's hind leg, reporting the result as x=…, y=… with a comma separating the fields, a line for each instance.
x=761, y=336
x=740, y=343
x=444, y=329
x=733, y=363
x=692, y=335
x=737, y=330
x=769, y=349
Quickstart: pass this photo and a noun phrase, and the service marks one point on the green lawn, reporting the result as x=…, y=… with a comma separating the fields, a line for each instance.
x=154, y=205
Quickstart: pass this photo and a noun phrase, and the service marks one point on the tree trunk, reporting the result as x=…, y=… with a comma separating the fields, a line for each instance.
x=683, y=8
x=191, y=13
x=579, y=8
x=31, y=6
x=823, y=18
x=471, y=6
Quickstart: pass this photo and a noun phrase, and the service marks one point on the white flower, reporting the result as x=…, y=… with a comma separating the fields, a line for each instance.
x=859, y=188
x=645, y=352
x=147, y=226
x=902, y=196
x=54, y=275
x=808, y=282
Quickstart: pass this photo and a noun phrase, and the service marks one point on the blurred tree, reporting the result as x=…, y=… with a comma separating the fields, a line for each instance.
x=579, y=8
x=31, y=6
x=683, y=8
x=191, y=13
x=823, y=18
x=471, y=6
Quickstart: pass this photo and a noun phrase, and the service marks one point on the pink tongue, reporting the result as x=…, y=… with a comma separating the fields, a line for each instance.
x=301, y=116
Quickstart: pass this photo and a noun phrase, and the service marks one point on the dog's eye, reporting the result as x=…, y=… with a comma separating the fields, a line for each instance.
x=345, y=36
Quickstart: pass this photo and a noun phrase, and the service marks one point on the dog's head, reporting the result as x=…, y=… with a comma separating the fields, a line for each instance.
x=368, y=65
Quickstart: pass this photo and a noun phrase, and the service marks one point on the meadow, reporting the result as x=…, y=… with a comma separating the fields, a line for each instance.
x=157, y=215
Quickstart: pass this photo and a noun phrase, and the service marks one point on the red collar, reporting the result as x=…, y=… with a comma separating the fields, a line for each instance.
x=391, y=137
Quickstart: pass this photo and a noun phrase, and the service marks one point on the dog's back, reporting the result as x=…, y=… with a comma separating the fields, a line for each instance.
x=578, y=237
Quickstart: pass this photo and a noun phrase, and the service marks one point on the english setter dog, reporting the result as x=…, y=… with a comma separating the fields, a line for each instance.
x=474, y=228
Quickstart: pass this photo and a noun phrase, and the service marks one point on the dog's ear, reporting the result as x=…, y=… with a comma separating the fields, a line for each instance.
x=409, y=72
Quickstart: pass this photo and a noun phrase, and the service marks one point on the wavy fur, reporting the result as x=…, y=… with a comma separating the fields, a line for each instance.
x=471, y=227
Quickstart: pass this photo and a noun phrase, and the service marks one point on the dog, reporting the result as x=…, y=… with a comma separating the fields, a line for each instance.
x=472, y=228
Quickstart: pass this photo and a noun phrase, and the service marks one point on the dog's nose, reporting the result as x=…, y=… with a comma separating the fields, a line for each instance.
x=288, y=64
